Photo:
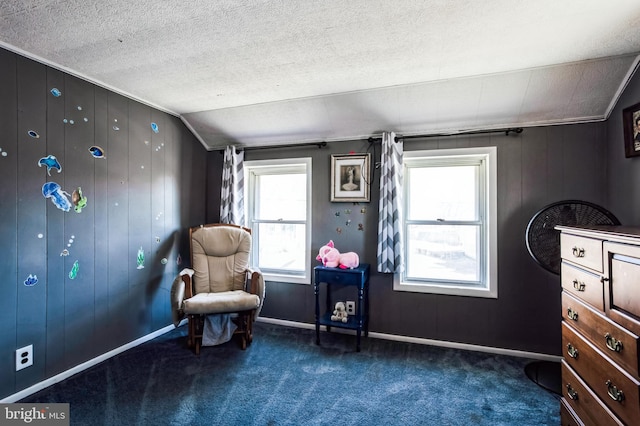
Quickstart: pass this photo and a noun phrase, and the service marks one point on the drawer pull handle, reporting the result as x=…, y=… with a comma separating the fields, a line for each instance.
x=572, y=351
x=614, y=392
x=571, y=393
x=613, y=343
x=572, y=314
x=578, y=252
x=580, y=286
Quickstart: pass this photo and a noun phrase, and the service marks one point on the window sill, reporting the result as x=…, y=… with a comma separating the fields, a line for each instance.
x=451, y=290
x=284, y=278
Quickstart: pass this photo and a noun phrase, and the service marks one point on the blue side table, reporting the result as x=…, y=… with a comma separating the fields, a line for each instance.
x=358, y=277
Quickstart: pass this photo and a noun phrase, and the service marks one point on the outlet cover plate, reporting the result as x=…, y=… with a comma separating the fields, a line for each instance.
x=24, y=357
x=351, y=307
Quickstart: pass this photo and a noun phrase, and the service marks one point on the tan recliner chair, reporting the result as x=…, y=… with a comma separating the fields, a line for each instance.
x=220, y=282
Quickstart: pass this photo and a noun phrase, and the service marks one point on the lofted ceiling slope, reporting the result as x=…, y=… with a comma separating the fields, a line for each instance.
x=261, y=72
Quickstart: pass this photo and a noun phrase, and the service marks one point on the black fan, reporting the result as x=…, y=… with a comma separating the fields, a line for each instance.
x=543, y=241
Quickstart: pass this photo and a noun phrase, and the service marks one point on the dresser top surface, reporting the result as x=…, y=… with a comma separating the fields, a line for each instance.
x=607, y=232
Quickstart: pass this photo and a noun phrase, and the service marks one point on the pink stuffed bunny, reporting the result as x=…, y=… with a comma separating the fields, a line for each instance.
x=331, y=257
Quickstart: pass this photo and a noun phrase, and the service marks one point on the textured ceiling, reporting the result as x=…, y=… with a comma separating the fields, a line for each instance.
x=258, y=72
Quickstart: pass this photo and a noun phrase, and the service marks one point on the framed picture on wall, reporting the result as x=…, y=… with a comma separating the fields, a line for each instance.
x=631, y=122
x=350, y=178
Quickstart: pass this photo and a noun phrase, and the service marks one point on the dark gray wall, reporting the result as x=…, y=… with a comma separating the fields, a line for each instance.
x=623, y=173
x=538, y=167
x=147, y=191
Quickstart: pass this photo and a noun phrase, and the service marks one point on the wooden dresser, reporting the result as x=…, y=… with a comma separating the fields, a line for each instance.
x=600, y=276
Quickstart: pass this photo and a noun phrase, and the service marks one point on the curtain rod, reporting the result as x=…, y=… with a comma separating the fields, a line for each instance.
x=506, y=131
x=320, y=145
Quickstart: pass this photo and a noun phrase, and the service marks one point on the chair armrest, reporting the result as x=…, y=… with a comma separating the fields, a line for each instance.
x=180, y=289
x=188, y=286
x=256, y=286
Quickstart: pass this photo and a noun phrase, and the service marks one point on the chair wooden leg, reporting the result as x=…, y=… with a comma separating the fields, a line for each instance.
x=190, y=333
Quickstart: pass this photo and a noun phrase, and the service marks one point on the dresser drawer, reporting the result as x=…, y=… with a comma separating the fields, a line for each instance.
x=619, y=391
x=622, y=291
x=583, y=402
x=583, y=284
x=567, y=416
x=583, y=251
x=614, y=341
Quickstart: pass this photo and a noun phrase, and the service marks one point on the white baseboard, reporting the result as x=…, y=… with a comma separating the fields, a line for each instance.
x=87, y=364
x=421, y=341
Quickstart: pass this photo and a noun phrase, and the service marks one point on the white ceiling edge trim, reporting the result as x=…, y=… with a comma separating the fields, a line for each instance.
x=623, y=85
x=83, y=77
x=196, y=134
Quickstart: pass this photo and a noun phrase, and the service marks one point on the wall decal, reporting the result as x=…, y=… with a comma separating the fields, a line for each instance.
x=74, y=270
x=159, y=216
x=31, y=280
x=51, y=162
x=155, y=128
x=4, y=153
x=360, y=227
x=348, y=223
x=73, y=237
x=339, y=231
x=64, y=252
x=79, y=108
x=158, y=240
x=337, y=214
x=178, y=259
x=347, y=211
x=41, y=236
x=164, y=260
x=363, y=210
x=58, y=196
x=78, y=200
x=140, y=259
x=116, y=128
x=97, y=152
x=33, y=134
x=55, y=92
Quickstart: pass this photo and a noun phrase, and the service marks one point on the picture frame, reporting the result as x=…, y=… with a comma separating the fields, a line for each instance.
x=350, y=178
x=631, y=123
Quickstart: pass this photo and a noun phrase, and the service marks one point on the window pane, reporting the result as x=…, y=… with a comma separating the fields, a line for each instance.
x=281, y=197
x=443, y=252
x=282, y=246
x=447, y=192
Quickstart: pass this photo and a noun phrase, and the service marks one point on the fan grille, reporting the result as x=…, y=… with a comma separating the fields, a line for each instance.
x=543, y=240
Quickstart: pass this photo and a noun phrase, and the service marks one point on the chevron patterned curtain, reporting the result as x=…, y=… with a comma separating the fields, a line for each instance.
x=390, y=208
x=232, y=192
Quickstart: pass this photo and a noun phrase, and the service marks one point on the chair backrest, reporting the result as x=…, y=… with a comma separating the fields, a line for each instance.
x=219, y=257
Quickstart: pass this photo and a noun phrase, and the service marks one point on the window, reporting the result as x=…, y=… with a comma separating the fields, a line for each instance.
x=450, y=222
x=278, y=211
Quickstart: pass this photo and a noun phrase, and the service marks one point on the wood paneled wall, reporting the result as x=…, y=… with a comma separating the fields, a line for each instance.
x=144, y=194
x=540, y=166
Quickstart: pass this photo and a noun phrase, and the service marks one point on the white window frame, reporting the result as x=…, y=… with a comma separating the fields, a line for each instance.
x=278, y=166
x=488, y=217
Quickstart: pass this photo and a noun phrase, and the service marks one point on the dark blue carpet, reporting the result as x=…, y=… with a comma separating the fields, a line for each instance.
x=283, y=378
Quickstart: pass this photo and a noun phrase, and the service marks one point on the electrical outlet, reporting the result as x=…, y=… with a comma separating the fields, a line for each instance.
x=351, y=307
x=24, y=357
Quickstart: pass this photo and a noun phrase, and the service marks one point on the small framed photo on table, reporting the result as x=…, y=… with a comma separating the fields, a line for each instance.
x=350, y=178
x=631, y=122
